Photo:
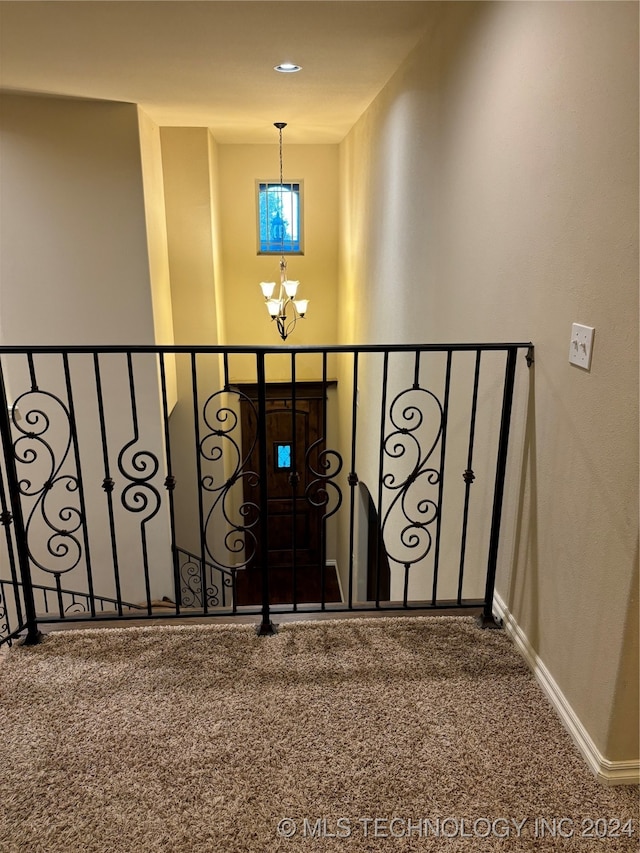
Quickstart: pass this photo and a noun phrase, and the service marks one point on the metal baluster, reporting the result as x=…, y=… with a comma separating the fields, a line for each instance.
x=266, y=627
x=83, y=507
x=196, y=425
x=108, y=483
x=56, y=575
x=353, y=477
x=383, y=419
x=170, y=482
x=323, y=537
x=468, y=475
x=294, y=477
x=33, y=634
x=487, y=620
x=6, y=519
x=443, y=450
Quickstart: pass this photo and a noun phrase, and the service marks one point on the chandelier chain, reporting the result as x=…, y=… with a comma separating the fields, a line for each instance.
x=281, y=192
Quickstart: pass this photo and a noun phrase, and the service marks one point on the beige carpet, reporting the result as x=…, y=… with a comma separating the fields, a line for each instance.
x=194, y=739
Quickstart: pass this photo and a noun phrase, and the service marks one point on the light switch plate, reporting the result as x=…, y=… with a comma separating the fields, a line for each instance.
x=581, y=345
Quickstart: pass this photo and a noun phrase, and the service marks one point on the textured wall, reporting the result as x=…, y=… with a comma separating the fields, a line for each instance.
x=490, y=193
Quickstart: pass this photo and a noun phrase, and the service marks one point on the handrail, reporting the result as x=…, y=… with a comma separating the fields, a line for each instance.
x=102, y=599
x=266, y=350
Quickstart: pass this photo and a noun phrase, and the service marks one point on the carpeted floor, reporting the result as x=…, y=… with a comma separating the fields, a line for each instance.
x=196, y=739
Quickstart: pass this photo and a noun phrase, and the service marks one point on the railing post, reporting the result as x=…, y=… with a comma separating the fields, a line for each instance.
x=266, y=627
x=487, y=619
x=33, y=634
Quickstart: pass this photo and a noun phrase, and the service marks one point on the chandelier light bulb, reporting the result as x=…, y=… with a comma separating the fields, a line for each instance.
x=291, y=288
x=273, y=307
x=267, y=288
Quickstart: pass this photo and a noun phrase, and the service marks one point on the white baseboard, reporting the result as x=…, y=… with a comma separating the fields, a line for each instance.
x=607, y=772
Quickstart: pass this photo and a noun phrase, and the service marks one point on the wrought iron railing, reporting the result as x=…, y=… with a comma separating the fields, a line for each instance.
x=219, y=583
x=139, y=481
x=63, y=603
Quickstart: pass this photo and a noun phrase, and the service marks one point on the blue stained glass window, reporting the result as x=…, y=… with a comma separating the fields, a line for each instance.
x=283, y=456
x=279, y=217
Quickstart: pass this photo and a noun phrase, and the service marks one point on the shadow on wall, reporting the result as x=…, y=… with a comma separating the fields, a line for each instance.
x=523, y=585
x=624, y=740
x=378, y=572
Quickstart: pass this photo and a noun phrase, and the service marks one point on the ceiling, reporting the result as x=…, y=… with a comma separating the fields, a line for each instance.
x=210, y=63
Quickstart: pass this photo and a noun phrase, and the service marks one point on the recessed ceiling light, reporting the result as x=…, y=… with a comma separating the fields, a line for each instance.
x=287, y=67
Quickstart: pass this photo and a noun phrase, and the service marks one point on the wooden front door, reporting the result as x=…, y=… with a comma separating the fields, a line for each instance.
x=295, y=552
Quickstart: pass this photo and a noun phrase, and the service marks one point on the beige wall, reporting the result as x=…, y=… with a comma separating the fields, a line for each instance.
x=74, y=266
x=156, y=222
x=218, y=276
x=186, y=167
x=74, y=269
x=188, y=159
x=490, y=193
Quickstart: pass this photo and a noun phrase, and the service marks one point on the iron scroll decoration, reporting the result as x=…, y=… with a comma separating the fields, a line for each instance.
x=51, y=488
x=139, y=468
x=411, y=511
x=4, y=623
x=219, y=443
x=320, y=490
x=191, y=584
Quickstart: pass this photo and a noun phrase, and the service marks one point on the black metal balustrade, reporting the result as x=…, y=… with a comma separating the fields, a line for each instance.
x=131, y=486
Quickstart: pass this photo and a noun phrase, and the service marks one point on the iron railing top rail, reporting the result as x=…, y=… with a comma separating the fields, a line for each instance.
x=266, y=350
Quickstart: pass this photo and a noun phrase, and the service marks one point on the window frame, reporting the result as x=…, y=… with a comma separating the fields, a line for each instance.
x=276, y=456
x=287, y=251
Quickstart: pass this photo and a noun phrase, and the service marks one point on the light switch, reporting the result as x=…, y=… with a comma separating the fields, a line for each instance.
x=581, y=345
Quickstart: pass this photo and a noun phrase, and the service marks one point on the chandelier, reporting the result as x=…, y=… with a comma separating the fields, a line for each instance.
x=285, y=309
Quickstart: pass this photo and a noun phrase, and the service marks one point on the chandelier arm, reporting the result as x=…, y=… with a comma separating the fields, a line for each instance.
x=292, y=325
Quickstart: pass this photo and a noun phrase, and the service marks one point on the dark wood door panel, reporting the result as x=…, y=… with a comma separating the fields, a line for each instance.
x=289, y=474
x=308, y=582
x=281, y=528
